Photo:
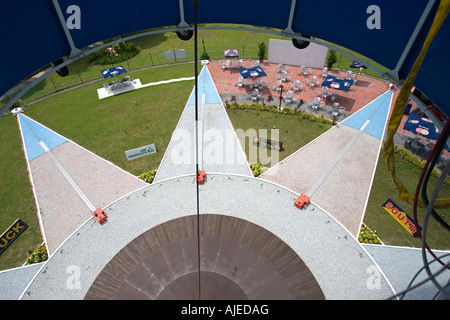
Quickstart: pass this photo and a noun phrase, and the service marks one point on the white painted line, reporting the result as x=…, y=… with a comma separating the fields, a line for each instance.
x=364, y=125
x=67, y=176
x=167, y=81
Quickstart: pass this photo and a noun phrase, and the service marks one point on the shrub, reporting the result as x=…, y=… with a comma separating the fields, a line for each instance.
x=368, y=236
x=262, y=48
x=148, y=176
x=257, y=169
x=39, y=255
x=124, y=50
x=331, y=58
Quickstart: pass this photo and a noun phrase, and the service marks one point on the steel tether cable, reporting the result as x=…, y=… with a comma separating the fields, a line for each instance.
x=196, y=142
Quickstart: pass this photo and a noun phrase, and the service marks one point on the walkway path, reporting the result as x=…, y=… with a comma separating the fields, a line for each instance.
x=337, y=168
x=219, y=149
x=68, y=181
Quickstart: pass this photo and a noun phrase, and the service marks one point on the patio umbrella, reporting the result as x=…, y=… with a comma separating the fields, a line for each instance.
x=254, y=72
x=357, y=64
x=421, y=125
x=231, y=53
x=335, y=83
x=113, y=72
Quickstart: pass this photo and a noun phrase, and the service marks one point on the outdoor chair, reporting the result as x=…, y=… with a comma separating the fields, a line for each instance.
x=289, y=96
x=280, y=67
x=239, y=82
x=295, y=100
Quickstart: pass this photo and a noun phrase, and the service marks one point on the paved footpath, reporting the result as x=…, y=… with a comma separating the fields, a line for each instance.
x=69, y=182
x=219, y=150
x=336, y=169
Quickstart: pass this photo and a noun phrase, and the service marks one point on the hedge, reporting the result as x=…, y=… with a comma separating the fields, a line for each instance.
x=368, y=236
x=148, y=176
x=124, y=50
x=39, y=255
x=273, y=108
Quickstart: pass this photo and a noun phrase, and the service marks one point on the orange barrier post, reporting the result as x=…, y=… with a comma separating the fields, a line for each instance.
x=100, y=215
x=302, y=201
x=201, y=176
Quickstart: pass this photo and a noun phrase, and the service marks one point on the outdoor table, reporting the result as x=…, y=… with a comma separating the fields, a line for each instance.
x=113, y=72
x=336, y=83
x=254, y=72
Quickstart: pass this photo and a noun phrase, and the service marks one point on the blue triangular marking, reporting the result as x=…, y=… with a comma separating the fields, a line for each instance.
x=377, y=112
x=205, y=86
x=34, y=132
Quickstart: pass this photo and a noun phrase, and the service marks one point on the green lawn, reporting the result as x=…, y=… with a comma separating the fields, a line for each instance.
x=389, y=230
x=152, y=54
x=111, y=126
x=16, y=195
x=296, y=132
x=106, y=127
x=293, y=131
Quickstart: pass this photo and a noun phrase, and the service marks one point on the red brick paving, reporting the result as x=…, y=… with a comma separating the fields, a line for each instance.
x=363, y=92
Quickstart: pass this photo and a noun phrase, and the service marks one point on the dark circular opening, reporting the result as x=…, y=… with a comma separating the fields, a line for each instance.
x=239, y=260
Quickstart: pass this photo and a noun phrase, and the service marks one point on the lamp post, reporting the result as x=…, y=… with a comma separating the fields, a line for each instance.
x=281, y=85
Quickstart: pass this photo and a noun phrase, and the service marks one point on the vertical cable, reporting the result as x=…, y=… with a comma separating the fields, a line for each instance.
x=196, y=142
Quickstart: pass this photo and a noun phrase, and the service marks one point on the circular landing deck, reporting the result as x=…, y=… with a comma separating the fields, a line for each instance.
x=239, y=261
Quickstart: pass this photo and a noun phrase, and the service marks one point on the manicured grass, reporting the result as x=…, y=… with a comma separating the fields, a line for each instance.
x=110, y=126
x=106, y=127
x=389, y=230
x=153, y=54
x=293, y=131
x=16, y=196
x=344, y=62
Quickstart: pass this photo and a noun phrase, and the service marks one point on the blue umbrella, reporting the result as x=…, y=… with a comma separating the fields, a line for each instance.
x=254, y=72
x=421, y=125
x=113, y=72
x=357, y=64
x=335, y=83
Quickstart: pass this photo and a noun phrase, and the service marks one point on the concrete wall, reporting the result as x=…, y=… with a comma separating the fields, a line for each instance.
x=283, y=51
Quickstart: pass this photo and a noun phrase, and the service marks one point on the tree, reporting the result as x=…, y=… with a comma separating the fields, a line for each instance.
x=262, y=51
x=331, y=58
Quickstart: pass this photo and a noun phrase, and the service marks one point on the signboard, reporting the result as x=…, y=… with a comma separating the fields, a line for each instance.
x=141, y=152
x=13, y=232
x=405, y=220
x=174, y=54
x=267, y=143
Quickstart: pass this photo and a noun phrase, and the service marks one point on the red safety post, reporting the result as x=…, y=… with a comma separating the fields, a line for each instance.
x=302, y=201
x=201, y=177
x=100, y=215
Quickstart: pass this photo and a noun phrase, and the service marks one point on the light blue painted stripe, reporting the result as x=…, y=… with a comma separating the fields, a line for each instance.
x=33, y=133
x=377, y=112
x=207, y=87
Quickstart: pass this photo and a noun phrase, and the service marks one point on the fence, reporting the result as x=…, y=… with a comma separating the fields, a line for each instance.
x=83, y=71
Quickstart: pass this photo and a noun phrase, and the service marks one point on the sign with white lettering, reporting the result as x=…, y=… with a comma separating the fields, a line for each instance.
x=141, y=152
x=405, y=220
x=14, y=231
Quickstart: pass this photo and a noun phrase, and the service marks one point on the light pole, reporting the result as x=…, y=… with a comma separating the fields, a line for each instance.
x=281, y=85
